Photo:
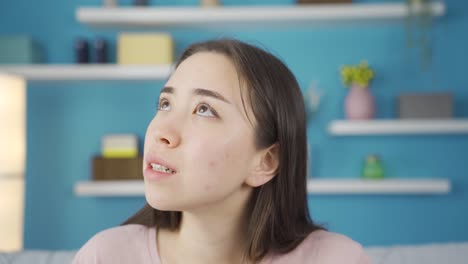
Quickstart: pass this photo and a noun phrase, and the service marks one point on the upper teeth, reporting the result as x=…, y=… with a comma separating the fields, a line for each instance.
x=161, y=168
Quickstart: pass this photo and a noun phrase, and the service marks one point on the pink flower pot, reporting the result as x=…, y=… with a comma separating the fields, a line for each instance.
x=359, y=103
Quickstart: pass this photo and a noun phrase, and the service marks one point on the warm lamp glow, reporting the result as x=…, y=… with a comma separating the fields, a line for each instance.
x=12, y=161
x=12, y=125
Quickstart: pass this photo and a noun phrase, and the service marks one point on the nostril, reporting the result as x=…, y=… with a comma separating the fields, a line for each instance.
x=169, y=140
x=165, y=141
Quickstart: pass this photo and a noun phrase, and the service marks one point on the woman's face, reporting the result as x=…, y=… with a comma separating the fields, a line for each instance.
x=202, y=136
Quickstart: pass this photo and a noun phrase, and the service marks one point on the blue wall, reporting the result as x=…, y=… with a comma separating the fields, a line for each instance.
x=66, y=122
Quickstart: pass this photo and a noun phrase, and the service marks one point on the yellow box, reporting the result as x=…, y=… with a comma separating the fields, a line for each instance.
x=119, y=153
x=119, y=146
x=145, y=48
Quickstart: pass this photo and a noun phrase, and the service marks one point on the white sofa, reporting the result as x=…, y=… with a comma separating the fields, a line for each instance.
x=37, y=257
x=443, y=253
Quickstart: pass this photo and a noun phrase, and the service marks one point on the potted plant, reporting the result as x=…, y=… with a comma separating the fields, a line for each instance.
x=359, y=103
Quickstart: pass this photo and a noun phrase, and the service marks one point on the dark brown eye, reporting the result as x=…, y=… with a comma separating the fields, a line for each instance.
x=204, y=110
x=164, y=105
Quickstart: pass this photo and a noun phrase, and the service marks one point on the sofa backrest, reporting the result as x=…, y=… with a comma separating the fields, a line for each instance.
x=446, y=253
x=442, y=253
x=37, y=257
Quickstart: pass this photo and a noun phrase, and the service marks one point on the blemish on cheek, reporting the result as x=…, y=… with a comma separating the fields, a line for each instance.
x=207, y=187
x=212, y=163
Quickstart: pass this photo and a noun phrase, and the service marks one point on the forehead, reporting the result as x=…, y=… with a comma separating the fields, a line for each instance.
x=207, y=70
x=216, y=72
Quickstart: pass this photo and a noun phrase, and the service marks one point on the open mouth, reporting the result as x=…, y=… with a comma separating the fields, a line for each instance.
x=161, y=168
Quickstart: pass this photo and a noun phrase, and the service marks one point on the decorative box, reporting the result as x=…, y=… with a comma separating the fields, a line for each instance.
x=119, y=146
x=19, y=50
x=117, y=168
x=425, y=105
x=145, y=48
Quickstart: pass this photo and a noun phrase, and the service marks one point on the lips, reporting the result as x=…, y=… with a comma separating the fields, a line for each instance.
x=157, y=168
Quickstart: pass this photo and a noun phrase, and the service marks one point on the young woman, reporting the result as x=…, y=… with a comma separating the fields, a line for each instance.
x=225, y=162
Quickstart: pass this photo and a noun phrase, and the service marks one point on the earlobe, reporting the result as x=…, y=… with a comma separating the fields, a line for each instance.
x=265, y=167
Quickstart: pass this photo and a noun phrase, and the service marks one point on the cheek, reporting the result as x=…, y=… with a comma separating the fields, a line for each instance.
x=208, y=187
x=211, y=160
x=148, y=133
x=209, y=157
x=219, y=157
x=217, y=168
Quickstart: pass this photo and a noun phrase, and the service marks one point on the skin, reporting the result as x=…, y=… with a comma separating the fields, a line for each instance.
x=210, y=143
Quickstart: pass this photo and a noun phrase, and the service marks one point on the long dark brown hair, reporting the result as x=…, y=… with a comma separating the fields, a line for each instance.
x=279, y=218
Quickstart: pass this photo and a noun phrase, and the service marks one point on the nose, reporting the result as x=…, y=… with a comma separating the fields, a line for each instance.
x=166, y=133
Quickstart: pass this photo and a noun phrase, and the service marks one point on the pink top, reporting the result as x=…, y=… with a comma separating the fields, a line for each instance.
x=137, y=244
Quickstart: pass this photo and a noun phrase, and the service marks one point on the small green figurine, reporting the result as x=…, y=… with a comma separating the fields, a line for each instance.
x=373, y=168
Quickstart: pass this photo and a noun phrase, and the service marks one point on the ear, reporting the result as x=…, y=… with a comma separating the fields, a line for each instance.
x=265, y=166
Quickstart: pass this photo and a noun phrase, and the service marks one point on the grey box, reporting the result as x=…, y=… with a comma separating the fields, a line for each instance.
x=425, y=105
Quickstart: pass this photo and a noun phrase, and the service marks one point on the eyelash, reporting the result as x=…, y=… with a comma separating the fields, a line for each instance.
x=164, y=100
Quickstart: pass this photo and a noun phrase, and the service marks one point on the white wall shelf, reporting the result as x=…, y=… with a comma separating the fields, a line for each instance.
x=77, y=72
x=316, y=186
x=387, y=186
x=110, y=188
x=398, y=127
x=248, y=15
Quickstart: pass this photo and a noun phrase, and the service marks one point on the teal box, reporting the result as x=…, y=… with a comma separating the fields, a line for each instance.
x=19, y=50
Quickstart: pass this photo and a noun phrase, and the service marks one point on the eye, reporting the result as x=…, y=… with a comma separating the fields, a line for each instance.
x=205, y=110
x=164, y=105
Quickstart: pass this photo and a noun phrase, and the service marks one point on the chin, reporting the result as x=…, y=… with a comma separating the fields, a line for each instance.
x=160, y=203
x=160, y=198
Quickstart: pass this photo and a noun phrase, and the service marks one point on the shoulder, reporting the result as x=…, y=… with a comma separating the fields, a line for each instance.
x=116, y=244
x=120, y=235
x=326, y=248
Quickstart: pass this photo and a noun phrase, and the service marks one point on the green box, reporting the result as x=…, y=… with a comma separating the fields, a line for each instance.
x=19, y=50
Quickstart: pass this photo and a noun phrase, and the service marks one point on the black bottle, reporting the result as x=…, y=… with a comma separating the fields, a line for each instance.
x=140, y=2
x=101, y=49
x=81, y=51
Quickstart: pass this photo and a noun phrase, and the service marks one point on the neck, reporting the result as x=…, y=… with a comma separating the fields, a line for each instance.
x=213, y=233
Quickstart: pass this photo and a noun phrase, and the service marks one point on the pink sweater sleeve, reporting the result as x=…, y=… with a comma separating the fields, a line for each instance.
x=325, y=248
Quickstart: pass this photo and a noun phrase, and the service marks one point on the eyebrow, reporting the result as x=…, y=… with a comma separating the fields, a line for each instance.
x=198, y=91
